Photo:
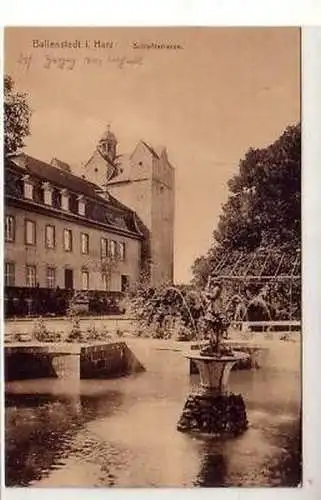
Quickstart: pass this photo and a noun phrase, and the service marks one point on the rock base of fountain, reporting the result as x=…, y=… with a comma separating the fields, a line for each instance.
x=216, y=414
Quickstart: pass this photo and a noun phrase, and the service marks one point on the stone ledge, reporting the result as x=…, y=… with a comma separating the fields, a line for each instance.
x=112, y=317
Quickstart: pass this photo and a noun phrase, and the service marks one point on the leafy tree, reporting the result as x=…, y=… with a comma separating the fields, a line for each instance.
x=201, y=270
x=17, y=115
x=264, y=205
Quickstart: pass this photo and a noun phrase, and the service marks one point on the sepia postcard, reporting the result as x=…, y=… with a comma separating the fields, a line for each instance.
x=152, y=257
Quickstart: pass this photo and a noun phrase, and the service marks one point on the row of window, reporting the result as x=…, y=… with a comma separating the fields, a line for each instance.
x=109, y=248
x=31, y=276
x=48, y=198
x=63, y=200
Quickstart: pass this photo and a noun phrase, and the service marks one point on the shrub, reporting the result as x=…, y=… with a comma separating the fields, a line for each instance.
x=104, y=333
x=93, y=333
x=162, y=311
x=75, y=334
x=39, y=330
x=18, y=337
x=42, y=334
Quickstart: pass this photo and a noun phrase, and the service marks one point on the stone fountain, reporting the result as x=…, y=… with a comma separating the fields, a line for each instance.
x=212, y=408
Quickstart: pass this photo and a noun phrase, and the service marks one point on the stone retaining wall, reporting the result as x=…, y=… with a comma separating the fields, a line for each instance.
x=69, y=361
x=110, y=360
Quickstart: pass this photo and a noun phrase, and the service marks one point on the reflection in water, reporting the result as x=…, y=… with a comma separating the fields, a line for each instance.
x=34, y=437
x=40, y=429
x=213, y=469
x=122, y=432
x=287, y=468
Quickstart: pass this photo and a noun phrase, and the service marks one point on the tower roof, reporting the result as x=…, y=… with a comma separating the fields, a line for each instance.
x=108, y=135
x=150, y=149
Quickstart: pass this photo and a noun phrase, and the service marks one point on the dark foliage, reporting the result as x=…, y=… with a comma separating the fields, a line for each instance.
x=264, y=205
x=263, y=211
x=24, y=301
x=17, y=115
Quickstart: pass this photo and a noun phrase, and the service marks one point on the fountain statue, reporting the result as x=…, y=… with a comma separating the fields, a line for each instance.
x=212, y=409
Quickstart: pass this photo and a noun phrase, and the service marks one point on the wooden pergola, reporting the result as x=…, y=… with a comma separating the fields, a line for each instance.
x=265, y=267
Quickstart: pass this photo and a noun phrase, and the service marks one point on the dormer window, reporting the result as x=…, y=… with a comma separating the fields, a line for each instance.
x=65, y=200
x=27, y=187
x=47, y=190
x=81, y=205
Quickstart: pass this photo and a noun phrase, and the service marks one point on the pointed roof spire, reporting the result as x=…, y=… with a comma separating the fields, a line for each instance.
x=108, y=135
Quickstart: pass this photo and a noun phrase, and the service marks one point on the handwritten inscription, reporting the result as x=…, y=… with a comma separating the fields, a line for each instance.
x=60, y=63
x=25, y=61
x=48, y=62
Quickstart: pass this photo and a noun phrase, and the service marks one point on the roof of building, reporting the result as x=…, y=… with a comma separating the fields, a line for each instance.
x=150, y=149
x=75, y=184
x=66, y=180
x=122, y=171
x=123, y=165
x=55, y=162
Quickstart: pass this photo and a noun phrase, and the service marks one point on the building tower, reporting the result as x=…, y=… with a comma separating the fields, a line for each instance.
x=107, y=145
x=144, y=181
x=101, y=165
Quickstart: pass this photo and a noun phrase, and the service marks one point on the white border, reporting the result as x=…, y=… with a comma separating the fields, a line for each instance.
x=311, y=190
x=208, y=13
x=159, y=13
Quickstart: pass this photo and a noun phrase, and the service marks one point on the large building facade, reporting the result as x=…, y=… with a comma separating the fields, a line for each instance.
x=93, y=231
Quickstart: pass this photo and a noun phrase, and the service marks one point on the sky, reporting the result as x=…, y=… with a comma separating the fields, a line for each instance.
x=225, y=90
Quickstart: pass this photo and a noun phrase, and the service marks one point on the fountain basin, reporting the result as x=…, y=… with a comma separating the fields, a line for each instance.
x=215, y=370
x=256, y=353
